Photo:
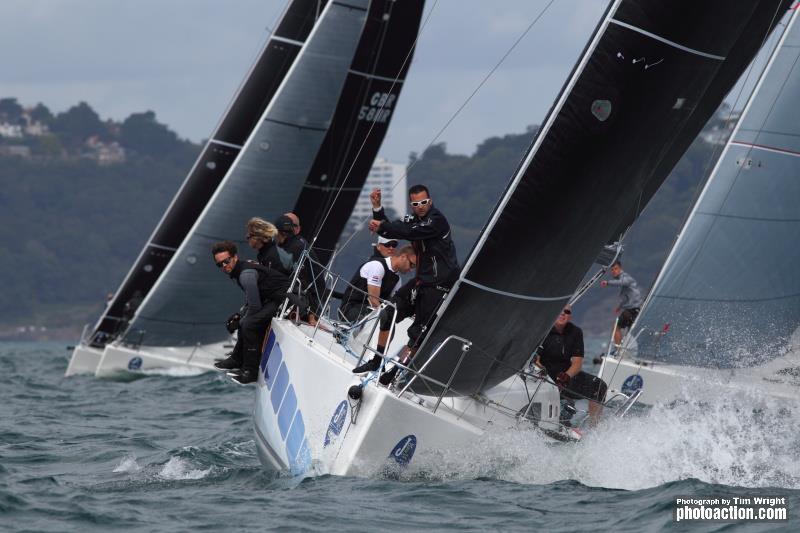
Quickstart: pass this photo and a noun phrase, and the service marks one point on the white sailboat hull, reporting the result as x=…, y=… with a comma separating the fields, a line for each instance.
x=304, y=420
x=666, y=383
x=115, y=359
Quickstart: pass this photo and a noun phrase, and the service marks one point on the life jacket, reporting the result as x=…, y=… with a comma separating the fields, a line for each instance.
x=272, y=283
x=352, y=296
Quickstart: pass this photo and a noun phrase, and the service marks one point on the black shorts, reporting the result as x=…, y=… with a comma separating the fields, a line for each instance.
x=626, y=318
x=585, y=386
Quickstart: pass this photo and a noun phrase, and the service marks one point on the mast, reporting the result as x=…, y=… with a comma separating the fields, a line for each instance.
x=729, y=288
x=652, y=75
x=216, y=158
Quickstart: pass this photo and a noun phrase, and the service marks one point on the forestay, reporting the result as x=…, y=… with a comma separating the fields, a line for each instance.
x=652, y=75
x=729, y=289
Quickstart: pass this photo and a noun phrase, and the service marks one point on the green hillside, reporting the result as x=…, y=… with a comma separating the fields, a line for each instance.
x=73, y=218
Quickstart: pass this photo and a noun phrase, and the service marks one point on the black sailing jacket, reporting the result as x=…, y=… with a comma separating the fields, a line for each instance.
x=437, y=264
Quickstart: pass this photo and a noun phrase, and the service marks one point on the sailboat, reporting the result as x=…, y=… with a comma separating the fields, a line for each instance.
x=648, y=80
x=319, y=69
x=725, y=308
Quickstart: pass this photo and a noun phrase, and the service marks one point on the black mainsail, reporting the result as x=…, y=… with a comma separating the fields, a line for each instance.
x=216, y=158
x=729, y=289
x=651, y=76
x=359, y=124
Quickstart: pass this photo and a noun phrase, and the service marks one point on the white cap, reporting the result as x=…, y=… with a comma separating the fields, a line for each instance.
x=384, y=240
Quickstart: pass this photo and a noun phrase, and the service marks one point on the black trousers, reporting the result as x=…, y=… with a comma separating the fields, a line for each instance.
x=251, y=334
x=421, y=302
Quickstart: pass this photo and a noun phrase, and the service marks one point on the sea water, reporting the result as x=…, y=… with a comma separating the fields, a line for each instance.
x=174, y=451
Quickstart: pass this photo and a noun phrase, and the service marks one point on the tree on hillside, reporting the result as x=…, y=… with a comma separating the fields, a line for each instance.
x=42, y=114
x=77, y=124
x=143, y=133
x=10, y=110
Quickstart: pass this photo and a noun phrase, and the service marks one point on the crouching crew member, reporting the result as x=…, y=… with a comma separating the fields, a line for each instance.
x=561, y=355
x=376, y=280
x=437, y=268
x=261, y=236
x=311, y=276
x=265, y=289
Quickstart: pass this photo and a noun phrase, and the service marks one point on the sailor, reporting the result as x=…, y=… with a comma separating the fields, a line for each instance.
x=265, y=289
x=630, y=299
x=289, y=237
x=384, y=247
x=261, y=237
x=561, y=356
x=311, y=276
x=376, y=280
x=437, y=269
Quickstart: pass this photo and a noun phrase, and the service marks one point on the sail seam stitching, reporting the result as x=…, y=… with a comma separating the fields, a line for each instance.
x=783, y=151
x=288, y=41
x=515, y=295
x=375, y=76
x=740, y=217
x=162, y=247
x=667, y=41
x=229, y=145
x=292, y=125
x=350, y=6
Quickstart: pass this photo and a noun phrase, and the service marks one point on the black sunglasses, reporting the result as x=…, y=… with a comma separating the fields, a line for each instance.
x=566, y=311
x=224, y=262
x=390, y=244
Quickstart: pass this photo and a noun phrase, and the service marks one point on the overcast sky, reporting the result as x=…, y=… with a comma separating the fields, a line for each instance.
x=184, y=59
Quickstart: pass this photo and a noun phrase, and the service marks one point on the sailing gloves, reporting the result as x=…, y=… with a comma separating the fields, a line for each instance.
x=232, y=324
x=563, y=379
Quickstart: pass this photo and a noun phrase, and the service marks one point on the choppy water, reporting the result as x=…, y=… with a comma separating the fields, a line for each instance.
x=176, y=453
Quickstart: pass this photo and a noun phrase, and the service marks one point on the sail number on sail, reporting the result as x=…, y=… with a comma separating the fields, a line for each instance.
x=379, y=108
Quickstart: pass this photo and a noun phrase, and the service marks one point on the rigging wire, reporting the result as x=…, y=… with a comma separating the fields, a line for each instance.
x=453, y=116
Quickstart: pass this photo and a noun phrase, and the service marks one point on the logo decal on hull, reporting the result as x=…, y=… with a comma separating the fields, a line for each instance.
x=404, y=450
x=632, y=384
x=337, y=423
x=135, y=363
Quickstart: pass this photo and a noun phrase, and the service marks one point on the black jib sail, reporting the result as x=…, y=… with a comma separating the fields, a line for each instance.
x=242, y=115
x=729, y=289
x=359, y=125
x=652, y=75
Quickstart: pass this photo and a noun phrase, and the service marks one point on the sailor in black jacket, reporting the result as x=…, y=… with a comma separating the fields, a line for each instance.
x=437, y=268
x=264, y=288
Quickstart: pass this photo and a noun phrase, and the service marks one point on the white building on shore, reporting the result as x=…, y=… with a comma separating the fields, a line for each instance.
x=390, y=178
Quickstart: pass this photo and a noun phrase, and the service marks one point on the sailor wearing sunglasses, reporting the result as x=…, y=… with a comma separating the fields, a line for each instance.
x=264, y=289
x=437, y=268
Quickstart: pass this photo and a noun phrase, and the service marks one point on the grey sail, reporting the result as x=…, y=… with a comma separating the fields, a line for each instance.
x=729, y=292
x=191, y=298
x=216, y=158
x=652, y=75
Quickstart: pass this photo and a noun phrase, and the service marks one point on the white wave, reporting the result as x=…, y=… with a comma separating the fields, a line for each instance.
x=175, y=371
x=743, y=440
x=128, y=464
x=180, y=469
